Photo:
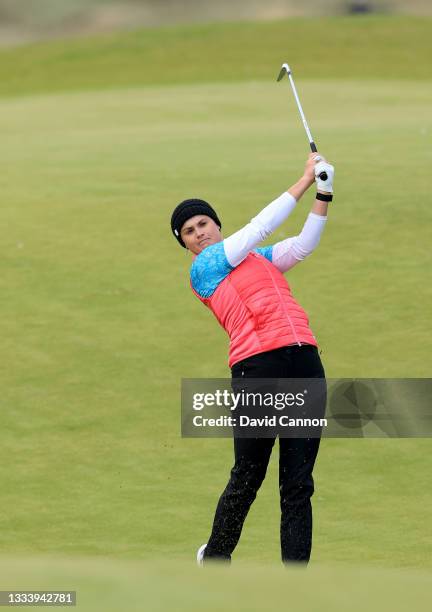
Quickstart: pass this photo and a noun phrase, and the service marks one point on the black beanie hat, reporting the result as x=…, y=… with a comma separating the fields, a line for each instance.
x=187, y=209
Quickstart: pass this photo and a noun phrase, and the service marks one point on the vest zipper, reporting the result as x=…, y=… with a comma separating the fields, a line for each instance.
x=280, y=297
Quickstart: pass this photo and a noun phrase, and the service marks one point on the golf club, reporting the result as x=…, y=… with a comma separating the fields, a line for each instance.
x=287, y=70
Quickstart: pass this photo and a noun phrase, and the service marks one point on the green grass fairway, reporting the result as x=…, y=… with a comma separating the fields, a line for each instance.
x=157, y=586
x=340, y=47
x=98, y=323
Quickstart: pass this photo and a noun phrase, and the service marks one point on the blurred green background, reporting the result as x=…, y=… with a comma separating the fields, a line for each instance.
x=102, y=135
x=22, y=20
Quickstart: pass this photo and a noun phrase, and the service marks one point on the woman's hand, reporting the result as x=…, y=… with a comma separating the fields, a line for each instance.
x=308, y=178
x=309, y=171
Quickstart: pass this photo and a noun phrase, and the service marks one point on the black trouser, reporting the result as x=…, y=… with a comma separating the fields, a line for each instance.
x=296, y=461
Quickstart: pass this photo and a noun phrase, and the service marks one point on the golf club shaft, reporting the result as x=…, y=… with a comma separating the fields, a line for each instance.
x=323, y=175
x=299, y=106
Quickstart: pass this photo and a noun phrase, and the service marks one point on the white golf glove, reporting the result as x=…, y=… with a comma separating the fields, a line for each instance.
x=326, y=185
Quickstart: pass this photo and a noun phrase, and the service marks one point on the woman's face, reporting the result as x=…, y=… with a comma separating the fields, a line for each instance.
x=199, y=232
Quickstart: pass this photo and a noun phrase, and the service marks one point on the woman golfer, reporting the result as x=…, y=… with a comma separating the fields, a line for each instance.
x=270, y=337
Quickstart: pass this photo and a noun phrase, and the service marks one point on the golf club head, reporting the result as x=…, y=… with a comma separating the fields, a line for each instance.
x=283, y=71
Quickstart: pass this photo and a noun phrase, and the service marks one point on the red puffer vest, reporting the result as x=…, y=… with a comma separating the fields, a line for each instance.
x=255, y=306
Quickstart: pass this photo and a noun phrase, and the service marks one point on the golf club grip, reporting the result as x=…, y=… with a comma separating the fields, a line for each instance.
x=323, y=175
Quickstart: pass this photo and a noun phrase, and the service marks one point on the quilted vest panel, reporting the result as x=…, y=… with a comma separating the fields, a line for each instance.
x=255, y=306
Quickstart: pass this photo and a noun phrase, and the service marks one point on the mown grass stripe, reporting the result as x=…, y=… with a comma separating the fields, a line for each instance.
x=377, y=47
